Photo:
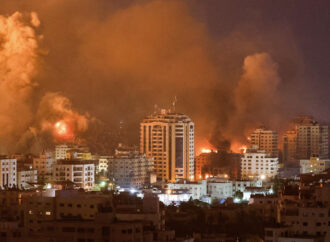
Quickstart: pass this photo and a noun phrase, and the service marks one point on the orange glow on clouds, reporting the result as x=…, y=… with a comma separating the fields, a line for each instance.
x=238, y=148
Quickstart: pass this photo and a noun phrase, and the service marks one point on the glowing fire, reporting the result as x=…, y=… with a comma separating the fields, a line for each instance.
x=243, y=149
x=204, y=150
x=62, y=129
x=238, y=147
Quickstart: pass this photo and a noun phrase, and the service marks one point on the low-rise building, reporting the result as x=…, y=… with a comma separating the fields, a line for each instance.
x=241, y=185
x=8, y=172
x=174, y=196
x=219, y=189
x=257, y=164
x=197, y=189
x=81, y=172
x=314, y=165
x=25, y=177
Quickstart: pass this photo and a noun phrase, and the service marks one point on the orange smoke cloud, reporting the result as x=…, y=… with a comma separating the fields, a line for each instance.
x=136, y=55
x=56, y=113
x=255, y=96
x=19, y=46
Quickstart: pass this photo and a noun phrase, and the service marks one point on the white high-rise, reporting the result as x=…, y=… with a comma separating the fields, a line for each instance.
x=168, y=137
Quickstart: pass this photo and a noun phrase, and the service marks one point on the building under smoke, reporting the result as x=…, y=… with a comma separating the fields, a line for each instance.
x=266, y=140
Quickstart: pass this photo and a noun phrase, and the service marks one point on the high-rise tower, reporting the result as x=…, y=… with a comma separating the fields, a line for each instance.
x=168, y=137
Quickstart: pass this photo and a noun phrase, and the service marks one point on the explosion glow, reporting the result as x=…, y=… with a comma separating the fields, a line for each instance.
x=204, y=150
x=62, y=130
x=243, y=149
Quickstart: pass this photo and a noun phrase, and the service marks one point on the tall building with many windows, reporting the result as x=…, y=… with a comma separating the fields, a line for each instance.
x=312, y=139
x=306, y=138
x=265, y=140
x=168, y=137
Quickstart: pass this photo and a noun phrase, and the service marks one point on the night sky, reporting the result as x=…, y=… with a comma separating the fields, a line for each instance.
x=232, y=65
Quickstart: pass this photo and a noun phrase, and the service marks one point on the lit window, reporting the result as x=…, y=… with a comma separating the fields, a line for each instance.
x=48, y=213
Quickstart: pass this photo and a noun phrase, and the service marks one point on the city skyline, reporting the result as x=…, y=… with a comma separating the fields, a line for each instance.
x=164, y=121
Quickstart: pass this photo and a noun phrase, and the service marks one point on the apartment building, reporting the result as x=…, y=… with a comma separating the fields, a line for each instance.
x=81, y=172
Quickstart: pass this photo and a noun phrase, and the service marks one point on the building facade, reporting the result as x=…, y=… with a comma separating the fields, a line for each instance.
x=196, y=189
x=312, y=139
x=168, y=137
x=8, y=172
x=203, y=159
x=43, y=164
x=266, y=140
x=258, y=164
x=82, y=173
x=129, y=168
x=220, y=189
x=290, y=146
x=26, y=177
x=314, y=165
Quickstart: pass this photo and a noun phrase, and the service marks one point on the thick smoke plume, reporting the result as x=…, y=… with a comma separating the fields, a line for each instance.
x=21, y=126
x=117, y=59
x=18, y=66
x=55, y=107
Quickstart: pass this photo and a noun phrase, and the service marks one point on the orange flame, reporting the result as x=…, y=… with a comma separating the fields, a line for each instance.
x=204, y=150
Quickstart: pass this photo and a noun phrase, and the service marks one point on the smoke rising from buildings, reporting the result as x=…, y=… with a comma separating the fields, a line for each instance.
x=18, y=65
x=116, y=60
x=20, y=59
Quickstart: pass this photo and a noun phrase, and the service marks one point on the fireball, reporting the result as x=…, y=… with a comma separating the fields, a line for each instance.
x=62, y=129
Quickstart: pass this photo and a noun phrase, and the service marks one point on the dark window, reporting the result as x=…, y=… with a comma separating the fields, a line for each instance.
x=179, y=152
x=269, y=233
x=105, y=231
x=68, y=229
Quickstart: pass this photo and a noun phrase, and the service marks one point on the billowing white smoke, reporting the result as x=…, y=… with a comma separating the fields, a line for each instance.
x=256, y=95
x=18, y=66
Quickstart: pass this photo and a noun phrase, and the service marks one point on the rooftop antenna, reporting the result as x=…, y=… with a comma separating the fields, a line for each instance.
x=174, y=104
x=155, y=108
